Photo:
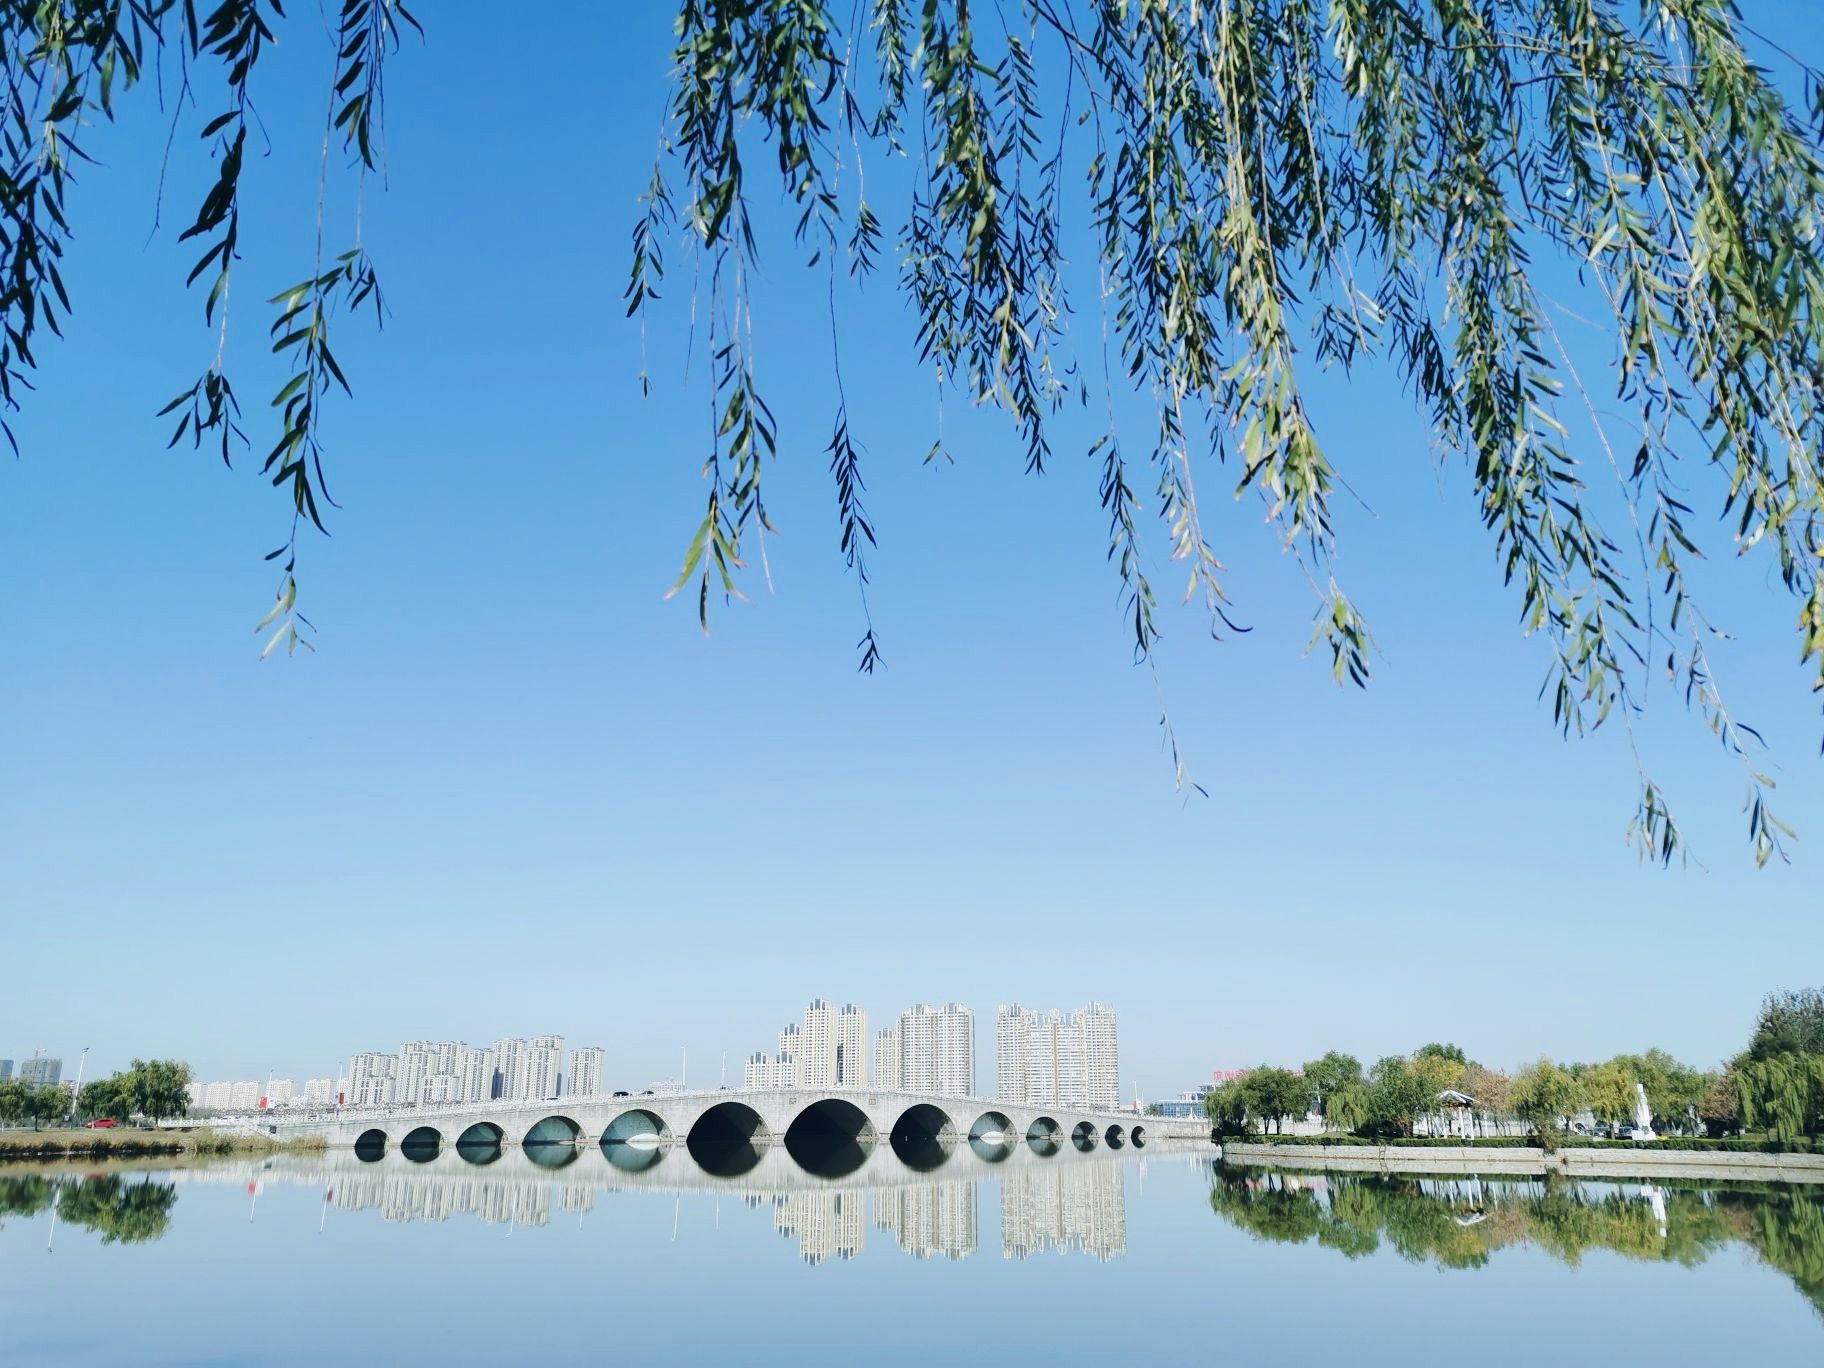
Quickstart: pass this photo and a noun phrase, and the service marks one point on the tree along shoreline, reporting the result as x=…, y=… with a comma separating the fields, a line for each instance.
x=1770, y=1096
x=27, y=1146
x=151, y=1090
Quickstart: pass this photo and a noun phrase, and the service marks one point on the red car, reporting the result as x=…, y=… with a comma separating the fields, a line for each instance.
x=103, y=1123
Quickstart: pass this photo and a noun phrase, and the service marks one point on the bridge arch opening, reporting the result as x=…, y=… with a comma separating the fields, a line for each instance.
x=831, y=1138
x=552, y=1143
x=480, y=1143
x=923, y=1136
x=1084, y=1137
x=1138, y=1136
x=370, y=1145
x=1116, y=1135
x=1044, y=1137
x=635, y=1140
x=422, y=1145
x=993, y=1136
x=726, y=1140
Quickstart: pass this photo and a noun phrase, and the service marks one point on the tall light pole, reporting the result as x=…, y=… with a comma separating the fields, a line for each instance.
x=78, y=1088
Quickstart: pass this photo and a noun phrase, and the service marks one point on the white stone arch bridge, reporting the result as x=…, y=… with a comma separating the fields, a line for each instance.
x=833, y=1129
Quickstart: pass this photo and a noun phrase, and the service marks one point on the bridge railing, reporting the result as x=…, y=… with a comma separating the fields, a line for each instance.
x=500, y=1106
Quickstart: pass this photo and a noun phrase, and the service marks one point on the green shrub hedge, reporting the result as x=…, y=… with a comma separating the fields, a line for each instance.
x=1702, y=1144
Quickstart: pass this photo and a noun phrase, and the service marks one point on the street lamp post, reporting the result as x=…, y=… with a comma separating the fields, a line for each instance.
x=75, y=1091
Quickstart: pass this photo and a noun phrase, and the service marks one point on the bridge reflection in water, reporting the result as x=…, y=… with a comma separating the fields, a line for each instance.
x=1068, y=1202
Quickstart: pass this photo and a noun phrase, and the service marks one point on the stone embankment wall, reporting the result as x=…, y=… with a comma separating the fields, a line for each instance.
x=1575, y=1160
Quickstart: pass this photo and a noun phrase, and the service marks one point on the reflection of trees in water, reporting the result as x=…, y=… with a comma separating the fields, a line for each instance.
x=1788, y=1231
x=119, y=1211
x=26, y=1195
x=1459, y=1222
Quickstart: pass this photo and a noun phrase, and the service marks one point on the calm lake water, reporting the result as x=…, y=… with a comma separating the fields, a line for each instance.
x=1029, y=1260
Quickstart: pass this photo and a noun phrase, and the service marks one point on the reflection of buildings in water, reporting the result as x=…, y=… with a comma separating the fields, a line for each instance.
x=1080, y=1206
x=826, y=1223
x=401, y=1197
x=929, y=1218
x=576, y=1198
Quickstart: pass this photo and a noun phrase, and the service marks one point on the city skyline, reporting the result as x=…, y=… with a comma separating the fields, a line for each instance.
x=636, y=1062
x=927, y=1049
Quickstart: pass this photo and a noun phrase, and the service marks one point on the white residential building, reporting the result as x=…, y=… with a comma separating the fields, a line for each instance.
x=768, y=1071
x=445, y=1055
x=475, y=1069
x=829, y=1051
x=585, y=1077
x=544, y=1067
x=370, y=1079
x=509, y=1069
x=836, y=1046
x=1010, y=1081
x=888, y=1071
x=791, y=1048
x=1101, y=1056
x=528, y=1070
x=930, y=1050
x=411, y=1072
x=431, y=1071
x=1055, y=1059
x=321, y=1091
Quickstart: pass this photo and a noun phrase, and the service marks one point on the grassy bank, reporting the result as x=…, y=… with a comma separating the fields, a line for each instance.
x=132, y=1144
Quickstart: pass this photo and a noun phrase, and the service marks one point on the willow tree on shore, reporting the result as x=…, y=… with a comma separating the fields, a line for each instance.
x=1780, y=1077
x=1545, y=1096
x=1257, y=190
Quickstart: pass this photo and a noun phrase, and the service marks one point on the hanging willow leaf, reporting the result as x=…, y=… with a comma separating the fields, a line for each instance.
x=1258, y=189
x=1274, y=185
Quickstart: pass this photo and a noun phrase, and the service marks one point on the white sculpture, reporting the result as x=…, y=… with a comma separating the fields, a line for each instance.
x=1643, y=1115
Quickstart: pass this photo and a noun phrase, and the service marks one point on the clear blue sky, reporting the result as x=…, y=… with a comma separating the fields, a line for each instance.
x=516, y=791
